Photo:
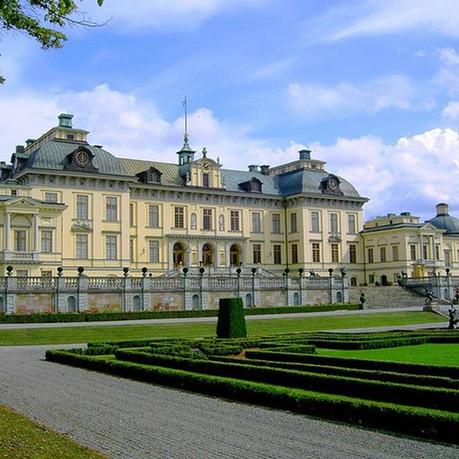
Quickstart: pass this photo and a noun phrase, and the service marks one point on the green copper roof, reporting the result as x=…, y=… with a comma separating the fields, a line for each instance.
x=52, y=155
x=170, y=172
x=308, y=181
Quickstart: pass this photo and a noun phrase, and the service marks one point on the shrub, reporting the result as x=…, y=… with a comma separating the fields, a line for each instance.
x=231, y=320
x=421, y=422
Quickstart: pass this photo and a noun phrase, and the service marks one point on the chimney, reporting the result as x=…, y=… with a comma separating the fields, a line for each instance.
x=442, y=209
x=305, y=154
x=65, y=120
x=264, y=169
x=253, y=168
x=19, y=149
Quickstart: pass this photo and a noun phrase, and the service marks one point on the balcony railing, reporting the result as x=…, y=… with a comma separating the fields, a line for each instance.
x=19, y=257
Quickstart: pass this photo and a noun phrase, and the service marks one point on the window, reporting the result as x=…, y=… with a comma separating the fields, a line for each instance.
x=111, y=205
x=447, y=254
x=293, y=223
x=132, y=214
x=82, y=207
x=334, y=253
x=437, y=252
x=46, y=274
x=425, y=253
x=256, y=222
x=294, y=253
x=352, y=253
x=276, y=226
x=256, y=251
x=395, y=255
x=153, y=216
x=50, y=197
x=111, y=247
x=382, y=254
x=413, y=252
x=277, y=254
x=131, y=249
x=22, y=273
x=315, y=225
x=205, y=180
x=179, y=217
x=207, y=219
x=234, y=220
x=20, y=241
x=14, y=192
x=334, y=223
x=46, y=241
x=316, y=252
x=82, y=246
x=371, y=279
x=370, y=255
x=351, y=226
x=153, y=251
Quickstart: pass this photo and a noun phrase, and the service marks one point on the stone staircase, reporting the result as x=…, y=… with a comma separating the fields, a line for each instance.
x=386, y=297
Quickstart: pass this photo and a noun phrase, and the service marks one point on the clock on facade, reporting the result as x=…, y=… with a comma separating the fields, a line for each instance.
x=82, y=158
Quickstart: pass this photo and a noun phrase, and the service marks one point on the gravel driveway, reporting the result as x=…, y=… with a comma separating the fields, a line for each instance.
x=129, y=419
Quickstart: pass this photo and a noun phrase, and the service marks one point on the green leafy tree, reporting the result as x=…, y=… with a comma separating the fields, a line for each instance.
x=42, y=19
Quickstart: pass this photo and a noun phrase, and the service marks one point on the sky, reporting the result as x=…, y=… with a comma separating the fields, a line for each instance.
x=371, y=87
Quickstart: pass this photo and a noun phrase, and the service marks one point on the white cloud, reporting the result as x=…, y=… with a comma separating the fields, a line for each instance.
x=451, y=111
x=373, y=17
x=412, y=174
x=161, y=14
x=346, y=98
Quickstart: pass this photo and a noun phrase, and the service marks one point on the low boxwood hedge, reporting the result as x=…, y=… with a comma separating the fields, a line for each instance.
x=428, y=397
x=378, y=365
x=384, y=376
x=420, y=422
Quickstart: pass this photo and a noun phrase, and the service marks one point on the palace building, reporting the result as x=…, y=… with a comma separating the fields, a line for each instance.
x=67, y=203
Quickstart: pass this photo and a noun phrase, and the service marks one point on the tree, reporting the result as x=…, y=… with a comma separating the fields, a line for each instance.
x=40, y=19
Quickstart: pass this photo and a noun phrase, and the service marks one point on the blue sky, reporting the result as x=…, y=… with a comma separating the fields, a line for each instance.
x=371, y=86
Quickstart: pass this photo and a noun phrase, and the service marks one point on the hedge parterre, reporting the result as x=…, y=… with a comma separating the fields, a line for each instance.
x=282, y=371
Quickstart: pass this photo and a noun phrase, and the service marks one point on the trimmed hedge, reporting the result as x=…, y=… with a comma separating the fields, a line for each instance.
x=231, y=320
x=428, y=397
x=420, y=422
x=378, y=365
x=109, y=316
x=384, y=376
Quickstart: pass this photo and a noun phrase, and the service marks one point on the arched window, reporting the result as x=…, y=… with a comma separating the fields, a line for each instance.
x=353, y=281
x=136, y=303
x=178, y=254
x=296, y=299
x=195, y=303
x=339, y=297
x=248, y=300
x=235, y=255
x=71, y=304
x=207, y=254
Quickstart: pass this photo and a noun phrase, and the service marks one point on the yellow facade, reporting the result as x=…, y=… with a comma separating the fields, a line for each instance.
x=68, y=203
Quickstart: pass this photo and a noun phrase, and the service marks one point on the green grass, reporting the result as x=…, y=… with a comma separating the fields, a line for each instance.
x=20, y=437
x=428, y=354
x=63, y=335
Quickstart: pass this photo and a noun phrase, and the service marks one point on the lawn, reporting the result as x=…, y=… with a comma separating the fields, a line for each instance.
x=20, y=437
x=63, y=335
x=428, y=354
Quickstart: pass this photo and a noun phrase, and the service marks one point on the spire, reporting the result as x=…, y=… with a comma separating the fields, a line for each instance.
x=186, y=154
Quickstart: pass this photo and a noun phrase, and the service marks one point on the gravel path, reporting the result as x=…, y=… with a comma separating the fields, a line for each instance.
x=129, y=419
